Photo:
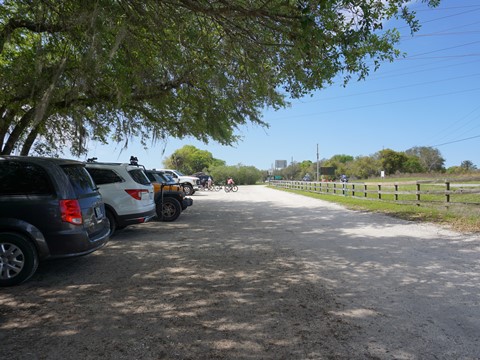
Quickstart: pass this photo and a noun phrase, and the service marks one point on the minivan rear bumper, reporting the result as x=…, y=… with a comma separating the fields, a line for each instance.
x=74, y=243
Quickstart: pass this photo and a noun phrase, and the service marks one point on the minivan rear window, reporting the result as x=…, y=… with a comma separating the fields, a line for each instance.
x=139, y=176
x=80, y=179
x=24, y=178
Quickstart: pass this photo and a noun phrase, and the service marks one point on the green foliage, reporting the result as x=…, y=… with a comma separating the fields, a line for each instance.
x=468, y=165
x=112, y=70
x=413, y=165
x=429, y=158
x=364, y=167
x=392, y=161
x=242, y=175
x=190, y=160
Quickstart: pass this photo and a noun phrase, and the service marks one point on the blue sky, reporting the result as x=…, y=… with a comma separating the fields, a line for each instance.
x=429, y=98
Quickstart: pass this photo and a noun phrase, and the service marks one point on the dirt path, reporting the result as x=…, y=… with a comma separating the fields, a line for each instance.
x=258, y=274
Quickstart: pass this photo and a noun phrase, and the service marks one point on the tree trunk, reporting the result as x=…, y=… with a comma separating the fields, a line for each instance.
x=4, y=113
x=35, y=115
x=14, y=136
x=27, y=145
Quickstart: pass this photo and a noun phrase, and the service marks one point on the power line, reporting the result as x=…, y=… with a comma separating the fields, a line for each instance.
x=380, y=104
x=393, y=88
x=438, y=50
x=455, y=141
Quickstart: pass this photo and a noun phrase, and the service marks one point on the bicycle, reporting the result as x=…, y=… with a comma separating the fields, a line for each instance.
x=231, y=187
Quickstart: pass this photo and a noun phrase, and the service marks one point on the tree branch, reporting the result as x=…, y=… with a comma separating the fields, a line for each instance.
x=36, y=27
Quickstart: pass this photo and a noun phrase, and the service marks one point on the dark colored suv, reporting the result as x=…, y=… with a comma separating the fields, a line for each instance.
x=49, y=208
x=170, y=198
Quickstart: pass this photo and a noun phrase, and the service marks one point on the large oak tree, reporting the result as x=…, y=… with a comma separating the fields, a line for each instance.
x=114, y=69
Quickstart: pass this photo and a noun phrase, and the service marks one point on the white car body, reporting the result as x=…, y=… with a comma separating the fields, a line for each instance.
x=188, y=182
x=126, y=191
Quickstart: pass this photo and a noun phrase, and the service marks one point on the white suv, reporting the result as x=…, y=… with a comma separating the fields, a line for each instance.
x=126, y=191
x=189, y=183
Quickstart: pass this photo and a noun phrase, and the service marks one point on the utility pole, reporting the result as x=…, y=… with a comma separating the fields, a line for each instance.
x=317, y=165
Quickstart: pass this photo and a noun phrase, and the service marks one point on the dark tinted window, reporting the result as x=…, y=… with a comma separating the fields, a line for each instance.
x=17, y=178
x=139, y=176
x=161, y=178
x=152, y=177
x=104, y=176
x=158, y=178
x=80, y=179
x=168, y=177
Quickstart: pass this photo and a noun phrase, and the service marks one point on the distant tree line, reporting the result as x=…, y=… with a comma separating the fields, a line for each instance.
x=191, y=160
x=420, y=159
x=417, y=160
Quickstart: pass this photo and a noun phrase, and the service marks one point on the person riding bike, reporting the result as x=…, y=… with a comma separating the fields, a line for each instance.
x=230, y=185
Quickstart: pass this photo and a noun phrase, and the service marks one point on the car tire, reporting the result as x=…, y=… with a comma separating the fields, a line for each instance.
x=113, y=222
x=169, y=209
x=188, y=189
x=18, y=259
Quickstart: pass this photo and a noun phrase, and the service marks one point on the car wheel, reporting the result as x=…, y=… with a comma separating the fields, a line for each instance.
x=18, y=259
x=113, y=222
x=170, y=210
x=188, y=189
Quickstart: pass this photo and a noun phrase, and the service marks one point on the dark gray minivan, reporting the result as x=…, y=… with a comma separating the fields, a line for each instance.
x=49, y=208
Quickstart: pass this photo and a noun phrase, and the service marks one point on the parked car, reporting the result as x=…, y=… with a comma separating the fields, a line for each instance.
x=203, y=178
x=49, y=208
x=126, y=191
x=170, y=198
x=190, y=184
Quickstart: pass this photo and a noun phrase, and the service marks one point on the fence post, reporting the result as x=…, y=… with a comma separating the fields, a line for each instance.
x=380, y=191
x=396, y=192
x=418, y=192
x=447, y=192
x=365, y=187
x=353, y=189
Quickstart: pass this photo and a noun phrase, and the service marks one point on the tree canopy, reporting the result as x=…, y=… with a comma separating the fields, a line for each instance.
x=106, y=70
x=190, y=160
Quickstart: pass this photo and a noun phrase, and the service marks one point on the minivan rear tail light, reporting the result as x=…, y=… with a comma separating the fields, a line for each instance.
x=136, y=193
x=71, y=212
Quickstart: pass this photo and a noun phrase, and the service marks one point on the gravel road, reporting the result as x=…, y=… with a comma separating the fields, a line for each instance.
x=257, y=274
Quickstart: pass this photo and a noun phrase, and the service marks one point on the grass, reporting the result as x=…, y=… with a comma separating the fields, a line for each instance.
x=462, y=218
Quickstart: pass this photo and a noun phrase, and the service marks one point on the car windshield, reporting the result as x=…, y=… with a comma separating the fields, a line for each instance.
x=179, y=173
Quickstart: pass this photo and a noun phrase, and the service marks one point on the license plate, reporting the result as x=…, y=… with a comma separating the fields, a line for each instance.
x=98, y=212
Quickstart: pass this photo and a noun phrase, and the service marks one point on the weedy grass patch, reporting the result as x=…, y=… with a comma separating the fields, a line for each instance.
x=463, y=218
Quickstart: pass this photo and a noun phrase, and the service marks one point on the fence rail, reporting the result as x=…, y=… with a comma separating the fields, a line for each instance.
x=447, y=192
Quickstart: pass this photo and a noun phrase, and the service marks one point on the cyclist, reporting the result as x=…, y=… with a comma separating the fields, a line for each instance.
x=230, y=185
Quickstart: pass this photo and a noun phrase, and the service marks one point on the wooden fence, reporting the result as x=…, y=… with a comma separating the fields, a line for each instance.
x=446, y=192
